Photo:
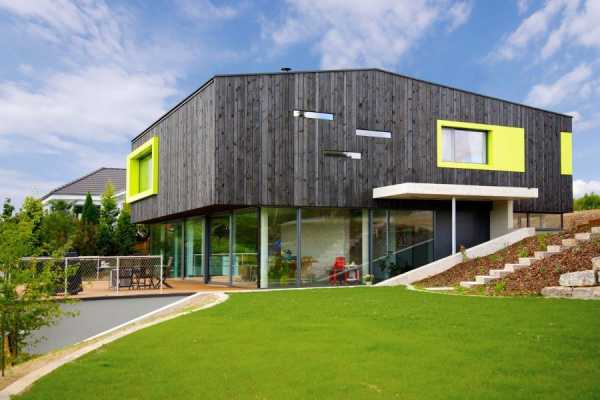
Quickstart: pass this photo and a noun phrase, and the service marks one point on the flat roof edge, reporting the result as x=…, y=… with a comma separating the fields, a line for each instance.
x=437, y=191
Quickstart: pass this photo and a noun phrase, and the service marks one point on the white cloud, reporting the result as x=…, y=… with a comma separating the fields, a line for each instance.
x=523, y=6
x=98, y=103
x=555, y=24
x=459, y=14
x=532, y=28
x=578, y=26
x=350, y=33
x=581, y=187
x=16, y=185
x=574, y=83
x=108, y=86
x=585, y=123
x=206, y=10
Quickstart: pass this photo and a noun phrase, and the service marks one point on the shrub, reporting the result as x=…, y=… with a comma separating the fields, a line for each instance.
x=589, y=201
x=523, y=252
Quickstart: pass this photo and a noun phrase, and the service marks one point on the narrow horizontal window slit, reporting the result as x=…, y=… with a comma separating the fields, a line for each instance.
x=313, y=115
x=342, y=154
x=374, y=134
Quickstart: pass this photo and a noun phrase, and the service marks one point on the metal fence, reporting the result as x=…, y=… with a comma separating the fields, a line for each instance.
x=104, y=274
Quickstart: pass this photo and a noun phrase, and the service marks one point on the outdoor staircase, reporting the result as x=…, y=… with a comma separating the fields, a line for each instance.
x=526, y=262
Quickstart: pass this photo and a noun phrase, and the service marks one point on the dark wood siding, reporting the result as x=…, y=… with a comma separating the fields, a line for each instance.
x=186, y=159
x=262, y=155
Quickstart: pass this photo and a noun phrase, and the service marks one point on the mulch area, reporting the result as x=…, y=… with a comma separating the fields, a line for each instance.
x=466, y=271
x=546, y=272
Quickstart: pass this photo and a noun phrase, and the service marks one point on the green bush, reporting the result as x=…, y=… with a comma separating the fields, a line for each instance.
x=589, y=201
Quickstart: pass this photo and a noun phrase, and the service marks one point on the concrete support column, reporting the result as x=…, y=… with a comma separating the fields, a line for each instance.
x=501, y=218
x=454, y=225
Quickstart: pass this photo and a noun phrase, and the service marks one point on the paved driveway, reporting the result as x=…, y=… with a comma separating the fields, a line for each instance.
x=95, y=316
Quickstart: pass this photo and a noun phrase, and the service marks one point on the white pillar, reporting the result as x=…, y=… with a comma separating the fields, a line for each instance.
x=454, y=225
x=264, y=249
x=365, y=242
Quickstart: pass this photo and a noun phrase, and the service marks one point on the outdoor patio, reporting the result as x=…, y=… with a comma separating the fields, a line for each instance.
x=100, y=289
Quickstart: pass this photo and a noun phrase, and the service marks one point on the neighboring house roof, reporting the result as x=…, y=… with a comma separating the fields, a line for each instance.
x=94, y=183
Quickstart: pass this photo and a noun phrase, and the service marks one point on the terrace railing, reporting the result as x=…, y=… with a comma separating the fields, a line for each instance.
x=104, y=273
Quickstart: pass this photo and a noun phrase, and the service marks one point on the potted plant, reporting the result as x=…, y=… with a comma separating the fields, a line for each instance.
x=368, y=279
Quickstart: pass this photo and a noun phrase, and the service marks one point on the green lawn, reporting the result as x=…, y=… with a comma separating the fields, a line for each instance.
x=364, y=343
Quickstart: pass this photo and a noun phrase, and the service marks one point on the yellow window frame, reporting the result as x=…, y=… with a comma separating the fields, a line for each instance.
x=505, y=147
x=133, y=191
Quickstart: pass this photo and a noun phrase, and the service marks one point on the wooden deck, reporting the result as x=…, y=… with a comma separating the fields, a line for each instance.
x=100, y=289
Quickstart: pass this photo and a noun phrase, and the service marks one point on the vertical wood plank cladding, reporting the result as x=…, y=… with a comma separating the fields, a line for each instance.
x=186, y=159
x=237, y=143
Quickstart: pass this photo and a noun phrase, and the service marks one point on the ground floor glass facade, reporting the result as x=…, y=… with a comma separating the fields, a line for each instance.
x=291, y=247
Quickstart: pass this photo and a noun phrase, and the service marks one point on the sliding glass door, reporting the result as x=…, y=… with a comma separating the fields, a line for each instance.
x=194, y=247
x=245, y=248
x=220, y=252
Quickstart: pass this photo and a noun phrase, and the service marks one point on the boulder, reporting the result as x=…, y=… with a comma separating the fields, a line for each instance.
x=596, y=263
x=557, y=291
x=578, y=279
x=586, y=292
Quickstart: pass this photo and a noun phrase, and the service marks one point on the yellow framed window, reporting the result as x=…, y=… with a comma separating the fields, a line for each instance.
x=142, y=171
x=467, y=145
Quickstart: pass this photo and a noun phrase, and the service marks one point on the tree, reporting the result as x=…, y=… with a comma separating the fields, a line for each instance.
x=89, y=213
x=58, y=227
x=125, y=233
x=108, y=218
x=26, y=291
x=589, y=201
x=32, y=210
x=85, y=239
x=7, y=209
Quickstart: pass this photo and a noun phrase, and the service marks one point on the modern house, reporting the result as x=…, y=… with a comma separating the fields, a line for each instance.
x=94, y=183
x=318, y=178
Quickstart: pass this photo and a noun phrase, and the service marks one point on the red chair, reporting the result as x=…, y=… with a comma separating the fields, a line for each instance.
x=339, y=266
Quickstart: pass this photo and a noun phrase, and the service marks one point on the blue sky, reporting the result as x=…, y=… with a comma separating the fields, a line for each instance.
x=79, y=79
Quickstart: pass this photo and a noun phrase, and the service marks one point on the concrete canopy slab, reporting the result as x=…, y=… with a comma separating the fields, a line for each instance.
x=435, y=191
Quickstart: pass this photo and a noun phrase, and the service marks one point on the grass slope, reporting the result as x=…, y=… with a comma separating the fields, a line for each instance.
x=363, y=343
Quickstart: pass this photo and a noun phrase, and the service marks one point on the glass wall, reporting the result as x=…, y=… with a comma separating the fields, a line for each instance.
x=332, y=247
x=194, y=246
x=546, y=221
x=402, y=241
x=519, y=220
x=167, y=240
x=245, y=256
x=220, y=260
x=278, y=247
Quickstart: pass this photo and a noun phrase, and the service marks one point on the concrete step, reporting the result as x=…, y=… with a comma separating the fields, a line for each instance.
x=595, y=230
x=541, y=254
x=499, y=273
x=554, y=248
x=469, y=284
x=583, y=237
x=527, y=260
x=515, y=267
x=569, y=243
x=484, y=279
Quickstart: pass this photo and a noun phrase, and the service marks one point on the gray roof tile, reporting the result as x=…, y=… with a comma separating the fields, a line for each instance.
x=94, y=183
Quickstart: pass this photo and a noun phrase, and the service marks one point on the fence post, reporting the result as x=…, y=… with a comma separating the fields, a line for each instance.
x=118, y=265
x=161, y=273
x=66, y=274
x=98, y=268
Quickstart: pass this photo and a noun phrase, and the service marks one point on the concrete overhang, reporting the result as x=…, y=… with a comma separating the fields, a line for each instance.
x=436, y=191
